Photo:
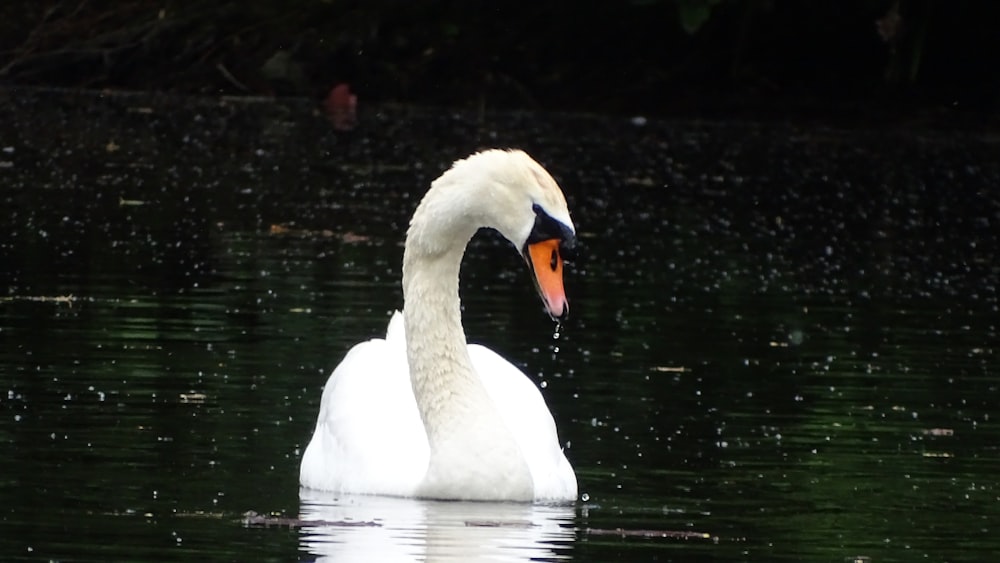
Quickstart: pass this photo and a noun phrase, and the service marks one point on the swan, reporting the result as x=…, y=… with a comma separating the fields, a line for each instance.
x=422, y=413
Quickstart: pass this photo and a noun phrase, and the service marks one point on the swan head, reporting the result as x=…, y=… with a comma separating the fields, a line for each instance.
x=549, y=242
x=510, y=192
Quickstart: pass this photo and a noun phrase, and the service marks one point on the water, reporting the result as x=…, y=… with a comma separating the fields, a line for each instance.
x=781, y=341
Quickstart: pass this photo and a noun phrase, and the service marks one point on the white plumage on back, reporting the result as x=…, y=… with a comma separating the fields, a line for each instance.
x=369, y=438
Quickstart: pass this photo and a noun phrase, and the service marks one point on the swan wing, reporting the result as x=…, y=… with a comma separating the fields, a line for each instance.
x=526, y=415
x=369, y=438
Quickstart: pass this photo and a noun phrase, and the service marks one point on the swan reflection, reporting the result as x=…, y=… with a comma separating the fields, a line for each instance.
x=407, y=529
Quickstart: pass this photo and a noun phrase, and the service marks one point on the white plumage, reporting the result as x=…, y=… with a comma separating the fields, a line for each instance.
x=423, y=413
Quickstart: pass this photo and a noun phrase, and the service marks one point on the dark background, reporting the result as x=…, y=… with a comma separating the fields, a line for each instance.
x=863, y=59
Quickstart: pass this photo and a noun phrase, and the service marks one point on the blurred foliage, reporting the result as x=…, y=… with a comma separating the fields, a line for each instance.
x=694, y=13
x=645, y=55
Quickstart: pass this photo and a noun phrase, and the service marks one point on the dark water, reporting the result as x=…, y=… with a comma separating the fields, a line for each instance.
x=783, y=337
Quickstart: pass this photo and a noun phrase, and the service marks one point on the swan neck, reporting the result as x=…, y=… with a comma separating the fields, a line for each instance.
x=435, y=339
x=435, y=243
x=472, y=455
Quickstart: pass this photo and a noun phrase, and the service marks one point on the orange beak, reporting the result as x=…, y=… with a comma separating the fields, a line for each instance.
x=547, y=266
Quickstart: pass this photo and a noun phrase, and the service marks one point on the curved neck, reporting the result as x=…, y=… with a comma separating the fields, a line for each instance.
x=435, y=340
x=472, y=454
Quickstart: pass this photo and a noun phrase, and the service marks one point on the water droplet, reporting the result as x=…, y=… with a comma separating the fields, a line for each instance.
x=584, y=497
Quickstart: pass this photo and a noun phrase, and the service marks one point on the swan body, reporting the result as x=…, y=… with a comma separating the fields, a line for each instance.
x=422, y=413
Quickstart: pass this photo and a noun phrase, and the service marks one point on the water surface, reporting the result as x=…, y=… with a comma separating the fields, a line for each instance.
x=782, y=335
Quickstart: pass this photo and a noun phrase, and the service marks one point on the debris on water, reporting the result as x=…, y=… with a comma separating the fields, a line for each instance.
x=198, y=398
x=252, y=519
x=67, y=299
x=626, y=533
x=669, y=369
x=499, y=524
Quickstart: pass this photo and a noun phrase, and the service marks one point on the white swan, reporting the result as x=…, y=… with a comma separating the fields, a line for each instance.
x=424, y=414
